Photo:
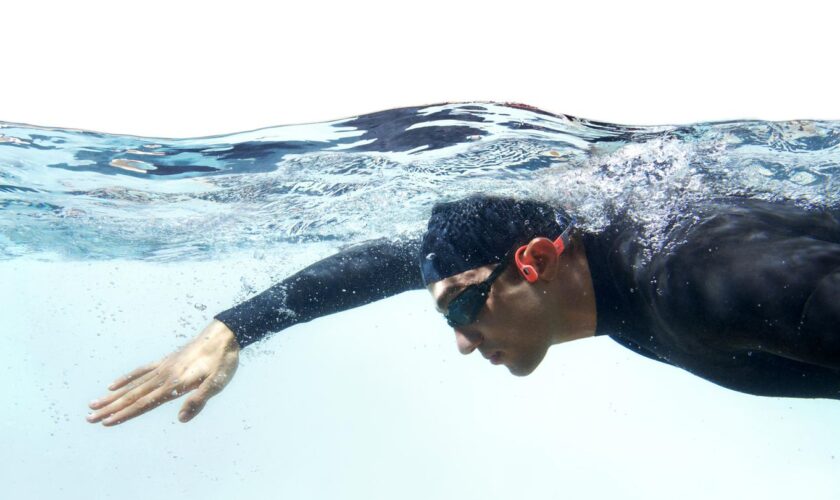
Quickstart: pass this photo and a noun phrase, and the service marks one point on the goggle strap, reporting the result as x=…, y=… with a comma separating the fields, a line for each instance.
x=562, y=241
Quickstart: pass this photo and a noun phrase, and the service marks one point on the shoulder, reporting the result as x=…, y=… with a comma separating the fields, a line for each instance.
x=742, y=239
x=743, y=265
x=736, y=216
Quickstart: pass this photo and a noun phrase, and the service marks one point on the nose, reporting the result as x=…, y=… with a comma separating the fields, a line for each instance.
x=467, y=342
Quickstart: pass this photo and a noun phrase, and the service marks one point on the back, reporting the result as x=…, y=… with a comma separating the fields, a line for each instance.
x=729, y=299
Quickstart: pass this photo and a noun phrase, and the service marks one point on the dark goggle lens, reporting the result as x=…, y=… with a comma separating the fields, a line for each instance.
x=464, y=308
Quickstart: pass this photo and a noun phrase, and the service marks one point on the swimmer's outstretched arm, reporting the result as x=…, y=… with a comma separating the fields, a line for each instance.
x=354, y=277
x=203, y=367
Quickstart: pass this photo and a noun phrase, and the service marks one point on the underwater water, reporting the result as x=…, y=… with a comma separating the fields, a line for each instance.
x=115, y=249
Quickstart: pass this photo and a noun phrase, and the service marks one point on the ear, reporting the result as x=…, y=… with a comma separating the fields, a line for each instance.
x=538, y=259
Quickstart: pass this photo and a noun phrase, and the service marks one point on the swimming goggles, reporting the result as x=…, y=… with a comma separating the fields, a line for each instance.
x=464, y=308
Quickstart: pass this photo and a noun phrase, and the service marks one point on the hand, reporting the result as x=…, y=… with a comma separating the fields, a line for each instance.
x=204, y=366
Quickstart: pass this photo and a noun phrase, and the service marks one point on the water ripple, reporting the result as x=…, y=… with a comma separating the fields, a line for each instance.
x=88, y=195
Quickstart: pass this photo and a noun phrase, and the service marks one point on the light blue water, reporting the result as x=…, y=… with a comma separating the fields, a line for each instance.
x=85, y=195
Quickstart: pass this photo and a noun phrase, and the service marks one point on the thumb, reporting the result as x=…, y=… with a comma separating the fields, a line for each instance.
x=196, y=401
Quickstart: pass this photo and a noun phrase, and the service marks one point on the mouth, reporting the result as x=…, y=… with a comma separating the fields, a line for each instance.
x=495, y=358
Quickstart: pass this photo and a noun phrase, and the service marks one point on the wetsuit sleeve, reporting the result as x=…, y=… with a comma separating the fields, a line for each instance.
x=352, y=278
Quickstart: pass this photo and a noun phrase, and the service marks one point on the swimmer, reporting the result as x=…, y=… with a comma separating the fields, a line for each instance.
x=745, y=294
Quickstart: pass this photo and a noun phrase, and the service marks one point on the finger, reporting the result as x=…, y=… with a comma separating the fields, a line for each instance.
x=127, y=398
x=110, y=398
x=143, y=404
x=116, y=384
x=195, y=403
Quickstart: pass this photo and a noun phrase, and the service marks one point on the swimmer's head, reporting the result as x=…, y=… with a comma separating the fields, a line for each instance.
x=481, y=230
x=494, y=306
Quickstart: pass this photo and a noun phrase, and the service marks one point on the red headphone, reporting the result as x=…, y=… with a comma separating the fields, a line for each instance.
x=526, y=270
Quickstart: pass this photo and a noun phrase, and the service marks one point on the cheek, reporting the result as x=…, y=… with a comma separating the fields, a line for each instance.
x=517, y=308
x=520, y=323
x=510, y=322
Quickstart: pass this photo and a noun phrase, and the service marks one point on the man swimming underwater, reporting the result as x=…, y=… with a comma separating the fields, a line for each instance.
x=747, y=295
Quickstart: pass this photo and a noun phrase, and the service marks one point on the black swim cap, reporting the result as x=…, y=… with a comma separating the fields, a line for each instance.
x=479, y=230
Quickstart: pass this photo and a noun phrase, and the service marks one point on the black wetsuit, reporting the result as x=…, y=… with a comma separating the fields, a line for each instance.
x=746, y=294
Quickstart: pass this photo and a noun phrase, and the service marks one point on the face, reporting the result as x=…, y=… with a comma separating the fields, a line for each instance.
x=512, y=328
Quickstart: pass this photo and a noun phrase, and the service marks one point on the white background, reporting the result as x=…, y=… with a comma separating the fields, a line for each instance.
x=375, y=403
x=195, y=68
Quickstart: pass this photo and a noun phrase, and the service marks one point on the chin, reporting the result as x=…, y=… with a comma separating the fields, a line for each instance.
x=521, y=371
x=525, y=367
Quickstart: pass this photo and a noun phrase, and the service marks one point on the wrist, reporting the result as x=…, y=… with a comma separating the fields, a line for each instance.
x=221, y=335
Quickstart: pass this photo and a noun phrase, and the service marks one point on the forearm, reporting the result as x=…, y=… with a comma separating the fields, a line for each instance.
x=351, y=278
